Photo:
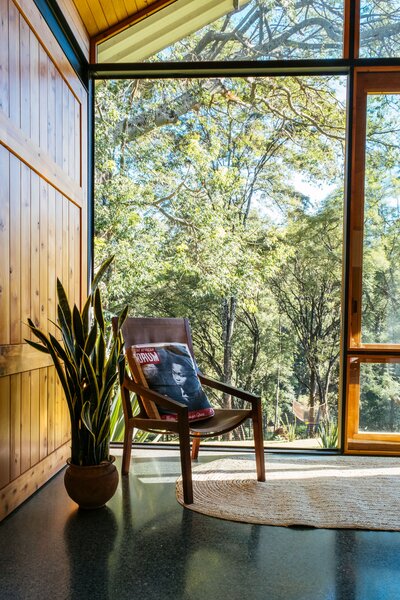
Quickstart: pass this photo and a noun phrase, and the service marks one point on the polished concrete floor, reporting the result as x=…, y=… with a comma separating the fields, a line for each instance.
x=145, y=546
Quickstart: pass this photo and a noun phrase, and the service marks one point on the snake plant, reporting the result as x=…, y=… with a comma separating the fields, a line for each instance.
x=88, y=365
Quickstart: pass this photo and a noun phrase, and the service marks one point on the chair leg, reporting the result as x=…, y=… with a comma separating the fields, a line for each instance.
x=126, y=454
x=195, y=447
x=259, y=442
x=186, y=466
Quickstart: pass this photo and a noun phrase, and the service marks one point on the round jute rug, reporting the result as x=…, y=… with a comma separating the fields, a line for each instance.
x=327, y=492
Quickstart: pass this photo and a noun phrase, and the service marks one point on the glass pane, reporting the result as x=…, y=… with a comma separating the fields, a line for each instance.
x=222, y=200
x=381, y=252
x=379, y=397
x=256, y=30
x=380, y=28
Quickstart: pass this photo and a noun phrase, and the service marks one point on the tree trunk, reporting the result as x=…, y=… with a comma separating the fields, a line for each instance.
x=228, y=323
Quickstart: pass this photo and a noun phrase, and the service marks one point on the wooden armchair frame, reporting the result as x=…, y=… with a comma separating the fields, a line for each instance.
x=153, y=330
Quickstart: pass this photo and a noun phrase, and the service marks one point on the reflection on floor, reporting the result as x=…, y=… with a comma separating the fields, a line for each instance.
x=145, y=545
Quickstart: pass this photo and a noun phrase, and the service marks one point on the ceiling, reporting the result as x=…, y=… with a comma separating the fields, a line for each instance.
x=104, y=17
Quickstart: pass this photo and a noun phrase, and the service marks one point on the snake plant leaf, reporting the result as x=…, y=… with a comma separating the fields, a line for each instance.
x=70, y=366
x=37, y=346
x=87, y=419
x=65, y=332
x=64, y=304
x=77, y=327
x=101, y=353
x=108, y=387
x=98, y=310
x=122, y=317
x=56, y=325
x=104, y=431
x=92, y=380
x=91, y=340
x=100, y=273
x=85, y=314
x=56, y=361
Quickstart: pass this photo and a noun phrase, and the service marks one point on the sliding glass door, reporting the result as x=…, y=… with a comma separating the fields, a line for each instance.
x=373, y=360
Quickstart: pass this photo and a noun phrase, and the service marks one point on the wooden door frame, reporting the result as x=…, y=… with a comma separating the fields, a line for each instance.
x=367, y=81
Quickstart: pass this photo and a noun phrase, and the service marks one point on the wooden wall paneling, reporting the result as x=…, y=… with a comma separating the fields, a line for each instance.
x=43, y=254
x=17, y=491
x=35, y=417
x=5, y=246
x=42, y=203
x=13, y=64
x=14, y=139
x=4, y=431
x=35, y=249
x=43, y=98
x=65, y=246
x=59, y=238
x=24, y=67
x=34, y=78
x=77, y=143
x=43, y=414
x=25, y=421
x=64, y=140
x=51, y=393
x=52, y=116
x=58, y=424
x=51, y=261
x=77, y=264
x=25, y=242
x=4, y=72
x=15, y=426
x=15, y=250
x=71, y=253
x=71, y=135
x=59, y=118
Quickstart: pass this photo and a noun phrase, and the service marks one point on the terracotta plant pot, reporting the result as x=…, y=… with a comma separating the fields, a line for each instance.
x=91, y=486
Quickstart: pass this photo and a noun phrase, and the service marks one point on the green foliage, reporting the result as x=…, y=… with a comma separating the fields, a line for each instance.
x=88, y=367
x=329, y=434
x=289, y=428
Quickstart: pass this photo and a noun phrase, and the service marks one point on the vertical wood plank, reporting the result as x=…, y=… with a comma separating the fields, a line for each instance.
x=77, y=266
x=58, y=425
x=71, y=251
x=4, y=431
x=59, y=119
x=51, y=400
x=52, y=281
x=71, y=134
x=43, y=416
x=15, y=431
x=4, y=74
x=64, y=140
x=35, y=246
x=65, y=245
x=51, y=114
x=14, y=64
x=15, y=250
x=78, y=144
x=5, y=246
x=43, y=258
x=59, y=237
x=43, y=95
x=35, y=417
x=24, y=51
x=25, y=421
x=25, y=244
x=34, y=78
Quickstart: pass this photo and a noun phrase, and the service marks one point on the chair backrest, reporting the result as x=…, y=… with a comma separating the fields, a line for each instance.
x=149, y=330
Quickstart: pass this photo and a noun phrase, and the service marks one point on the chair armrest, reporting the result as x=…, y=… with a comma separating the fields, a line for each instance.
x=162, y=401
x=229, y=389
